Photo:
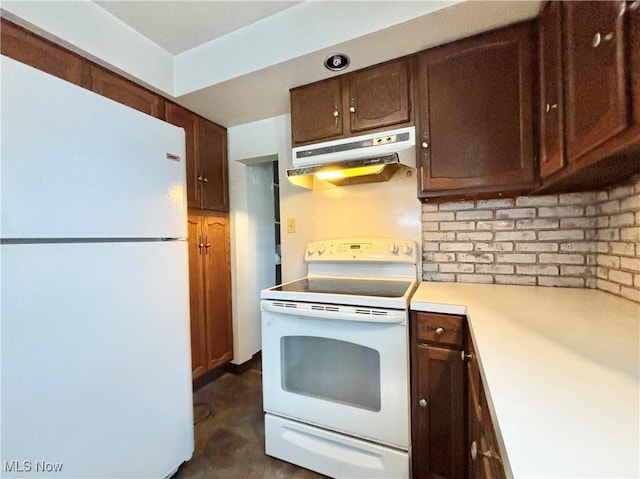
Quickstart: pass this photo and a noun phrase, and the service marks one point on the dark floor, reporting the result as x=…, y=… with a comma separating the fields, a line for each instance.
x=230, y=442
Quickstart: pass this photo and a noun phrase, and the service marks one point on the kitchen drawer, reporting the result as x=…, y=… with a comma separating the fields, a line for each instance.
x=441, y=329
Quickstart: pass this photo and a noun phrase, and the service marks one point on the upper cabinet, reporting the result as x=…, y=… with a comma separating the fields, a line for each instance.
x=551, y=106
x=474, y=120
x=379, y=96
x=366, y=100
x=123, y=91
x=212, y=159
x=589, y=109
x=37, y=52
x=633, y=19
x=206, y=151
x=316, y=111
x=595, y=75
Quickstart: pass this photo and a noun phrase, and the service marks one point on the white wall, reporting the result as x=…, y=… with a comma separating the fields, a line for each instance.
x=389, y=209
x=252, y=263
x=91, y=31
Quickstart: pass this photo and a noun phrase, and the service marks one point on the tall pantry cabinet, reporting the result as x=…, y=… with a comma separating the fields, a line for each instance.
x=210, y=285
x=209, y=244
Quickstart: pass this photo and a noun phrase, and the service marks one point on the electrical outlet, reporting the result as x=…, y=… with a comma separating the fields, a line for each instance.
x=291, y=225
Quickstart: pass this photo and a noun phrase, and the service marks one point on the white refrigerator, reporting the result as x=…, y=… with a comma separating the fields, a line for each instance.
x=96, y=367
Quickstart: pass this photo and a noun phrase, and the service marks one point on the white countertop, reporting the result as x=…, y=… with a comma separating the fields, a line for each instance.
x=562, y=373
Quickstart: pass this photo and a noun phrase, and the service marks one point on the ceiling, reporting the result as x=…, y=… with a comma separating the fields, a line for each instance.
x=178, y=26
x=235, y=61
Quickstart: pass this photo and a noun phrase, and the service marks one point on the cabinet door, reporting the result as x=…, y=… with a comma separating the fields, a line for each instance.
x=379, y=96
x=551, y=111
x=126, y=92
x=316, y=111
x=217, y=290
x=438, y=414
x=25, y=47
x=176, y=115
x=633, y=17
x=196, y=298
x=475, y=118
x=485, y=461
x=212, y=156
x=595, y=101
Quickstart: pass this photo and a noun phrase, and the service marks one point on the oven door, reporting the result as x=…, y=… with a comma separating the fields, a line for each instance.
x=347, y=376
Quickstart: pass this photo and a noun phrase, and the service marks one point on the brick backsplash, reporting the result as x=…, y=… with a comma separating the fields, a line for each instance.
x=589, y=239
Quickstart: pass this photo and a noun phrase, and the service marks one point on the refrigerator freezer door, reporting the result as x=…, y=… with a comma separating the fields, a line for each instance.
x=96, y=367
x=78, y=165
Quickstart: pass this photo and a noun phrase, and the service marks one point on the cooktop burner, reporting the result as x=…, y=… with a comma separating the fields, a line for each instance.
x=354, y=287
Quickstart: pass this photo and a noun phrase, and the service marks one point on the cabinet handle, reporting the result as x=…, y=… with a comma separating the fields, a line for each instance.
x=336, y=114
x=488, y=454
x=598, y=37
x=549, y=107
x=466, y=357
x=206, y=245
x=423, y=402
x=205, y=179
x=200, y=178
x=425, y=145
x=352, y=109
x=437, y=330
x=200, y=243
x=474, y=450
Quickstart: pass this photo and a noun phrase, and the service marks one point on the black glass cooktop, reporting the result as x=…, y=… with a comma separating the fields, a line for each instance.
x=354, y=287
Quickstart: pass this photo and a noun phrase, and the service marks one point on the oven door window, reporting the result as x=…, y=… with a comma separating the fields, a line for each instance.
x=330, y=369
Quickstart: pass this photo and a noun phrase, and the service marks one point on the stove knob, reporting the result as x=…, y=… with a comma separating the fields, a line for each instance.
x=392, y=248
x=321, y=248
x=311, y=250
x=406, y=249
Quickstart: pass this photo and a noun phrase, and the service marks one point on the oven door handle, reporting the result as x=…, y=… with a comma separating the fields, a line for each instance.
x=335, y=312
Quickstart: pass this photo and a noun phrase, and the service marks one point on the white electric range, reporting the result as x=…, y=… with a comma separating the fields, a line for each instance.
x=335, y=359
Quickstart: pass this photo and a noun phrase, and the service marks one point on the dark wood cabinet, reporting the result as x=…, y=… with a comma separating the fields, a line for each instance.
x=370, y=99
x=212, y=160
x=316, y=111
x=595, y=75
x=379, y=96
x=210, y=290
x=39, y=53
x=633, y=21
x=550, y=106
x=206, y=150
x=437, y=396
x=123, y=91
x=600, y=109
x=199, y=363
x=485, y=461
x=475, y=115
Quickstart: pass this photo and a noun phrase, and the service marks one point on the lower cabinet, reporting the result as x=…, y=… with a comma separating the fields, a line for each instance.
x=452, y=434
x=437, y=396
x=484, y=456
x=210, y=292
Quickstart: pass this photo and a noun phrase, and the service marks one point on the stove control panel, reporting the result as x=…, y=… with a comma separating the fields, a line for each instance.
x=363, y=250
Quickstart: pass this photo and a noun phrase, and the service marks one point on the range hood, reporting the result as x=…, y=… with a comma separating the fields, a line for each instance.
x=371, y=158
